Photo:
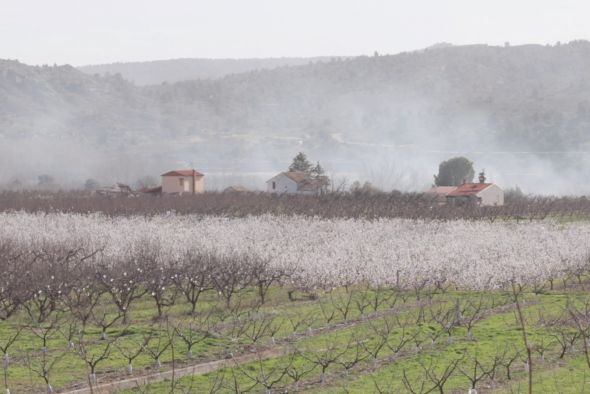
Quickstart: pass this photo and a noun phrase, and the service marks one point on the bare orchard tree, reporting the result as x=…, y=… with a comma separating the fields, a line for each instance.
x=374, y=297
x=471, y=311
x=45, y=331
x=240, y=322
x=262, y=325
x=105, y=318
x=325, y=356
x=446, y=317
x=131, y=349
x=579, y=313
x=476, y=369
x=84, y=293
x=435, y=375
x=356, y=355
x=233, y=382
x=53, y=271
x=404, y=335
x=542, y=344
x=507, y=361
x=159, y=283
x=328, y=311
x=48, y=279
x=192, y=276
x=231, y=275
x=382, y=330
x=123, y=281
x=42, y=363
x=69, y=328
x=565, y=333
x=517, y=295
x=159, y=344
x=298, y=370
x=193, y=331
x=93, y=354
x=342, y=302
x=267, y=375
x=13, y=287
x=299, y=320
x=5, y=345
x=363, y=299
x=215, y=384
x=263, y=275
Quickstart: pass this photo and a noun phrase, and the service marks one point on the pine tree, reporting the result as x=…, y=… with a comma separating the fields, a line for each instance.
x=317, y=171
x=300, y=163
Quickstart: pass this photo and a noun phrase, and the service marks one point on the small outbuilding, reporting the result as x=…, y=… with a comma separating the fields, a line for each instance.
x=183, y=181
x=296, y=182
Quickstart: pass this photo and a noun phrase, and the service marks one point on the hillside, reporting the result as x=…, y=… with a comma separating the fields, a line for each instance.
x=531, y=98
x=174, y=70
x=522, y=113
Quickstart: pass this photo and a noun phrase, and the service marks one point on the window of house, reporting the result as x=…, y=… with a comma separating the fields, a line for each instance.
x=274, y=186
x=181, y=180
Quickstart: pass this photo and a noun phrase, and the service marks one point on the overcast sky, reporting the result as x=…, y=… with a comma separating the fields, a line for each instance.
x=102, y=31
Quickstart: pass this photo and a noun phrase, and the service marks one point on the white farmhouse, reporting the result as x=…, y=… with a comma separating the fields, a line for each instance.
x=295, y=182
x=482, y=193
x=183, y=181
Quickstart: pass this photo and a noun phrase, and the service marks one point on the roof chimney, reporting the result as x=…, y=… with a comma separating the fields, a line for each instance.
x=482, y=177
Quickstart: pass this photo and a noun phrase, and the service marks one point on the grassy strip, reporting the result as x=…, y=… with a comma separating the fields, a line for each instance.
x=491, y=335
x=494, y=332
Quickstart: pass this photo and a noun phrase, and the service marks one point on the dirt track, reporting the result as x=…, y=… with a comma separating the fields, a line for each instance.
x=198, y=369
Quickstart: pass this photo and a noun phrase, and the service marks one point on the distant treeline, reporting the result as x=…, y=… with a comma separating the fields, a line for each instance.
x=331, y=205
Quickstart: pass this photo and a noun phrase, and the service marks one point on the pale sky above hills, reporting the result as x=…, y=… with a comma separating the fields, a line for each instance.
x=82, y=32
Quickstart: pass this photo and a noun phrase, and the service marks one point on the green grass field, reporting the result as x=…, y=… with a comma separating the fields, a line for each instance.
x=354, y=340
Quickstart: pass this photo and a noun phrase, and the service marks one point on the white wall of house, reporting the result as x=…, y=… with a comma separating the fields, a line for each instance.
x=281, y=184
x=182, y=184
x=491, y=196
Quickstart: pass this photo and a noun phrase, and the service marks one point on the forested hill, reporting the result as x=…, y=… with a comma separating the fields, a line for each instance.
x=174, y=70
x=521, y=112
x=526, y=97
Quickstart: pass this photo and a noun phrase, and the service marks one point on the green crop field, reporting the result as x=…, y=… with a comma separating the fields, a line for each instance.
x=347, y=340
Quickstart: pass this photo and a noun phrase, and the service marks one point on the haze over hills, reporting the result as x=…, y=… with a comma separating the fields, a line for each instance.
x=174, y=70
x=522, y=113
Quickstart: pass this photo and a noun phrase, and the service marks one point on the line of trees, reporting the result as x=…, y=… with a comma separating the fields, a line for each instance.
x=363, y=202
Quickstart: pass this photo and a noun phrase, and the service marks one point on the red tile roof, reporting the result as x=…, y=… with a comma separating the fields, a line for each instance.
x=468, y=189
x=183, y=173
x=441, y=190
